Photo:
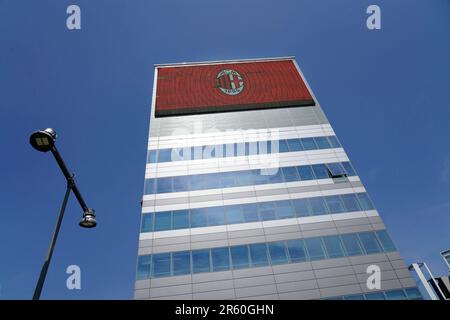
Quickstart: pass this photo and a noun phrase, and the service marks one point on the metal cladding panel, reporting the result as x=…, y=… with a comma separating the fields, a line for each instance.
x=230, y=86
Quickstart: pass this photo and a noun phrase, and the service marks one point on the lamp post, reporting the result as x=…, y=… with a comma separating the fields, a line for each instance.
x=44, y=141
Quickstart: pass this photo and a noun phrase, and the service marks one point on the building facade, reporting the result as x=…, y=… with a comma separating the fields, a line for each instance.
x=250, y=195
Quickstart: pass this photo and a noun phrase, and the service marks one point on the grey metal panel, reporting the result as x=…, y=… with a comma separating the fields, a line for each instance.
x=170, y=240
x=164, y=202
x=398, y=264
x=378, y=226
x=271, y=192
x=209, y=236
x=254, y=281
x=319, y=232
x=145, y=243
x=252, y=272
x=301, y=295
x=170, y=281
x=390, y=284
x=215, y=295
x=375, y=219
x=385, y=275
x=146, y=250
x=246, y=240
x=340, y=290
x=362, y=268
x=213, y=285
x=337, y=281
x=316, y=226
x=291, y=229
x=246, y=233
x=205, y=198
x=394, y=256
x=407, y=282
x=175, y=297
x=255, y=291
x=169, y=291
x=172, y=247
x=293, y=267
x=403, y=273
x=213, y=276
x=294, y=276
x=209, y=244
x=282, y=236
x=353, y=229
x=352, y=222
x=142, y=294
x=330, y=263
x=297, y=286
x=334, y=272
x=263, y=297
x=379, y=257
x=142, y=284
x=237, y=195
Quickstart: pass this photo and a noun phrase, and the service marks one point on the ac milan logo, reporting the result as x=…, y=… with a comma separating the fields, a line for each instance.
x=230, y=82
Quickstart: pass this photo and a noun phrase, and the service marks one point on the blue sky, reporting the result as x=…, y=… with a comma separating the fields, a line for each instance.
x=386, y=92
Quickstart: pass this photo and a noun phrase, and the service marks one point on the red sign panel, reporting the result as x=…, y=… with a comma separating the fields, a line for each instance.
x=232, y=86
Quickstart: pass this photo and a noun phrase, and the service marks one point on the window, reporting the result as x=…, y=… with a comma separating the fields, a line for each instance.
x=369, y=242
x=333, y=246
x=152, y=156
x=365, y=202
x=197, y=182
x=266, y=211
x=147, y=222
x=385, y=240
x=198, y=218
x=354, y=297
x=180, y=184
x=161, y=265
x=239, y=257
x=290, y=174
x=164, y=185
x=413, y=294
x=277, y=251
x=276, y=177
x=284, y=209
x=283, y=146
x=251, y=148
x=165, y=155
x=351, y=202
x=295, y=144
x=240, y=149
x=227, y=180
x=305, y=173
x=349, y=169
x=149, y=186
x=250, y=212
x=220, y=259
x=230, y=150
x=163, y=221
x=216, y=216
x=234, y=214
x=296, y=249
x=336, y=170
x=143, y=268
x=265, y=147
x=244, y=178
x=375, y=296
x=309, y=144
x=315, y=248
x=318, y=206
x=395, y=295
x=351, y=244
x=181, y=263
x=334, y=204
x=200, y=261
x=180, y=219
x=302, y=208
x=321, y=171
x=258, y=254
x=322, y=142
x=211, y=181
x=334, y=142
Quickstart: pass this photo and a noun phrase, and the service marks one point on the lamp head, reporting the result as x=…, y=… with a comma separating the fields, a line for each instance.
x=43, y=140
x=88, y=220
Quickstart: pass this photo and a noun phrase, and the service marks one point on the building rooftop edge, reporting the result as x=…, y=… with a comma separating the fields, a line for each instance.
x=161, y=65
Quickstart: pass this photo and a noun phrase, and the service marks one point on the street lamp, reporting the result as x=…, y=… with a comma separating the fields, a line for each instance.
x=44, y=141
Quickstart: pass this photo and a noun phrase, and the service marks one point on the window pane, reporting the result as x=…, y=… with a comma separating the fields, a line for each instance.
x=143, y=268
x=181, y=263
x=216, y=216
x=386, y=241
x=149, y=186
x=290, y=174
x=413, y=294
x=234, y=214
x=180, y=219
x=295, y=145
x=211, y=181
x=266, y=211
x=334, y=142
x=302, y=208
x=198, y=218
x=276, y=177
x=315, y=248
x=283, y=146
x=365, y=202
x=277, y=251
x=227, y=180
x=163, y=221
x=336, y=170
x=161, y=265
x=152, y=156
x=369, y=242
x=244, y=178
x=220, y=259
x=322, y=142
x=240, y=149
x=239, y=257
x=296, y=249
x=230, y=150
x=165, y=155
x=305, y=172
x=284, y=209
x=395, y=295
x=334, y=204
x=164, y=185
x=318, y=206
x=200, y=261
x=180, y=184
x=250, y=212
x=349, y=169
x=350, y=202
x=354, y=297
x=147, y=222
x=321, y=171
x=333, y=246
x=258, y=254
x=251, y=148
x=197, y=182
x=375, y=296
x=309, y=144
x=351, y=244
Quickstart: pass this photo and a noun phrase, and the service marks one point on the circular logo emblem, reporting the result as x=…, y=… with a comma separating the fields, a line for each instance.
x=230, y=82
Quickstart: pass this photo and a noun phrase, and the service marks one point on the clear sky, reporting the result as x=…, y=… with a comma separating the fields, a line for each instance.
x=386, y=93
